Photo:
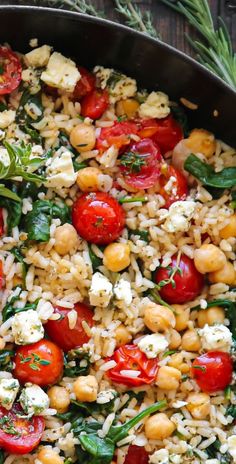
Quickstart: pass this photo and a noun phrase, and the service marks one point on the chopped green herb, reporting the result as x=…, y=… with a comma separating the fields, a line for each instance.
x=169, y=353
x=133, y=200
x=7, y=425
x=95, y=260
x=200, y=368
x=76, y=362
x=132, y=161
x=143, y=234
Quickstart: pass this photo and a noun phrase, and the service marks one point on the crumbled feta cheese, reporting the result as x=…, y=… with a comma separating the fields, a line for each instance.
x=103, y=75
x=27, y=327
x=153, y=344
x=8, y=392
x=155, y=106
x=232, y=446
x=38, y=58
x=100, y=291
x=33, y=400
x=33, y=43
x=179, y=216
x=60, y=172
x=122, y=291
x=170, y=186
x=7, y=117
x=4, y=157
x=160, y=457
x=105, y=396
x=120, y=86
x=215, y=337
x=31, y=78
x=61, y=72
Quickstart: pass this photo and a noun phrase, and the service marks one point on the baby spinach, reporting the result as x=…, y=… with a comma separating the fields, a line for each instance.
x=6, y=363
x=224, y=179
x=14, y=210
x=231, y=410
x=97, y=450
x=20, y=259
x=181, y=117
x=95, y=260
x=10, y=310
x=81, y=363
x=213, y=451
x=22, y=117
x=230, y=309
x=143, y=234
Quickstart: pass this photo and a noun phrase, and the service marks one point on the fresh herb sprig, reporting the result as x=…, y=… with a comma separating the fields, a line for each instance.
x=135, y=18
x=132, y=161
x=216, y=52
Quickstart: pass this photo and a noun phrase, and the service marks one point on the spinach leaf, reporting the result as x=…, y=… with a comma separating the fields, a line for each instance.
x=3, y=107
x=34, y=134
x=14, y=212
x=10, y=310
x=181, y=117
x=95, y=260
x=29, y=189
x=205, y=173
x=231, y=410
x=6, y=363
x=213, y=451
x=143, y=234
x=230, y=309
x=81, y=363
x=233, y=202
x=61, y=211
x=20, y=259
x=22, y=117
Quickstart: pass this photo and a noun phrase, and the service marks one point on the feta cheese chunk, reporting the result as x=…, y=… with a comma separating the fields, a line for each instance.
x=60, y=172
x=153, y=344
x=27, y=327
x=61, y=72
x=179, y=216
x=34, y=400
x=232, y=446
x=215, y=337
x=105, y=396
x=38, y=58
x=8, y=392
x=160, y=457
x=100, y=291
x=7, y=117
x=120, y=86
x=155, y=106
x=122, y=291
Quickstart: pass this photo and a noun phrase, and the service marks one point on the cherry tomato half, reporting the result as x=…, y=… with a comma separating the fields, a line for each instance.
x=40, y=363
x=141, y=164
x=1, y=223
x=117, y=135
x=188, y=282
x=136, y=454
x=179, y=188
x=10, y=75
x=166, y=133
x=1, y=275
x=27, y=433
x=85, y=85
x=94, y=104
x=213, y=371
x=60, y=332
x=98, y=217
x=130, y=357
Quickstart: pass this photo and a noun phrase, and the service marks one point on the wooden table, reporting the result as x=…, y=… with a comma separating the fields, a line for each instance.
x=170, y=26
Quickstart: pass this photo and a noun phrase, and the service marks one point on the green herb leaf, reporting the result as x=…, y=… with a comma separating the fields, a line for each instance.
x=143, y=234
x=22, y=117
x=205, y=173
x=20, y=259
x=14, y=210
x=6, y=360
x=95, y=260
x=10, y=310
x=7, y=193
x=200, y=368
x=81, y=360
x=230, y=309
x=132, y=200
x=133, y=162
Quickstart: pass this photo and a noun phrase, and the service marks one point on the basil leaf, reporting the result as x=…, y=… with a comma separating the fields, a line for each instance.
x=206, y=174
x=7, y=193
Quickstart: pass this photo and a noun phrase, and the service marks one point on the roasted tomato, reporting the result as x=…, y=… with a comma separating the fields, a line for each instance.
x=129, y=358
x=60, y=332
x=94, y=104
x=98, y=217
x=11, y=69
x=166, y=133
x=85, y=85
x=140, y=165
x=213, y=371
x=40, y=363
x=1, y=223
x=117, y=135
x=136, y=455
x=178, y=186
x=187, y=282
x=19, y=435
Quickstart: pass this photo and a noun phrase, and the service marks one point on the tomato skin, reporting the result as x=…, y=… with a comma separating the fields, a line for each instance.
x=136, y=454
x=98, y=217
x=216, y=373
x=166, y=133
x=149, y=173
x=180, y=186
x=94, y=104
x=43, y=375
x=59, y=330
x=188, y=285
x=11, y=77
x=30, y=430
x=85, y=85
x=117, y=135
x=131, y=357
x=1, y=275
x=1, y=223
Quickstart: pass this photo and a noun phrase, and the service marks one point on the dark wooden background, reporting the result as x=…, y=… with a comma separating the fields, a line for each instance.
x=170, y=26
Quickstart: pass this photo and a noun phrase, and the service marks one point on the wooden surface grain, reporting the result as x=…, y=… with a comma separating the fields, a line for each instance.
x=170, y=25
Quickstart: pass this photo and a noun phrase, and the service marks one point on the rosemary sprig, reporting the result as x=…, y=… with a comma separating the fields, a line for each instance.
x=216, y=53
x=135, y=18
x=81, y=6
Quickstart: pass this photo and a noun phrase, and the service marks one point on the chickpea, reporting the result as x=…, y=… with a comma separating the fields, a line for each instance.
x=158, y=318
x=66, y=238
x=201, y=141
x=116, y=256
x=128, y=107
x=82, y=137
x=59, y=398
x=191, y=341
x=168, y=378
x=225, y=275
x=48, y=456
x=209, y=258
x=159, y=427
x=211, y=316
x=199, y=405
x=230, y=229
x=181, y=317
x=174, y=340
x=86, y=388
x=122, y=335
x=177, y=362
x=87, y=179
